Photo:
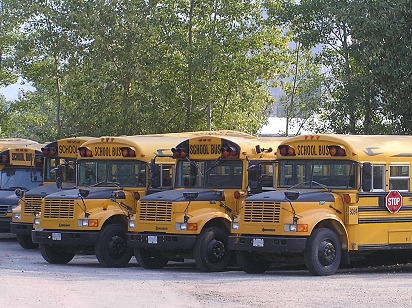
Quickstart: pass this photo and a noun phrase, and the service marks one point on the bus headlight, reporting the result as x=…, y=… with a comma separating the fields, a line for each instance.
x=36, y=221
x=87, y=223
x=235, y=225
x=16, y=216
x=186, y=226
x=132, y=224
x=295, y=228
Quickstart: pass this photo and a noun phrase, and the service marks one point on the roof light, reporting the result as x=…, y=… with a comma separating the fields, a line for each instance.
x=286, y=150
x=85, y=152
x=335, y=150
x=229, y=152
x=179, y=152
x=128, y=152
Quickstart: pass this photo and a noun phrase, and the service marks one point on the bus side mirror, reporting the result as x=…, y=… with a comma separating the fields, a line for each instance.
x=254, y=180
x=366, y=176
x=155, y=174
x=58, y=174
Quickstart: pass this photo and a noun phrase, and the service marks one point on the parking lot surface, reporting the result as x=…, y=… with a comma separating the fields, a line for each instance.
x=27, y=280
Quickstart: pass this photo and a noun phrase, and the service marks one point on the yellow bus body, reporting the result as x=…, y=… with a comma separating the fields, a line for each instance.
x=62, y=152
x=337, y=195
x=18, y=170
x=209, y=189
x=71, y=222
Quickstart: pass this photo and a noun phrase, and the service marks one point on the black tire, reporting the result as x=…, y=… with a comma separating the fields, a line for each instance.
x=323, y=252
x=251, y=262
x=211, y=250
x=112, y=249
x=55, y=254
x=150, y=259
x=26, y=242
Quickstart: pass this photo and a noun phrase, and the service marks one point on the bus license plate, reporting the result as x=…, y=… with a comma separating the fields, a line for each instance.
x=152, y=239
x=56, y=236
x=258, y=242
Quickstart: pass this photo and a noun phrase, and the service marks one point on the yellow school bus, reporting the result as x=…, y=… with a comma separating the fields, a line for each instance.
x=63, y=153
x=214, y=173
x=20, y=169
x=338, y=196
x=113, y=173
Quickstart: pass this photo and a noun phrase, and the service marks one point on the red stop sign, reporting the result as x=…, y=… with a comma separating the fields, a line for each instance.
x=393, y=201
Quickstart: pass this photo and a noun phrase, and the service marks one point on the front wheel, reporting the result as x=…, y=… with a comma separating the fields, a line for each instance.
x=323, y=252
x=112, y=249
x=26, y=242
x=251, y=262
x=211, y=250
x=55, y=254
x=150, y=259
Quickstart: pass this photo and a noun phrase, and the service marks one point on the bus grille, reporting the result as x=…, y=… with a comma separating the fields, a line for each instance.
x=3, y=210
x=33, y=204
x=155, y=211
x=55, y=208
x=259, y=211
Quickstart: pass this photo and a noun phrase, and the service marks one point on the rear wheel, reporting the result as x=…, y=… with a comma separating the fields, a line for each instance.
x=323, y=252
x=252, y=263
x=26, y=242
x=211, y=250
x=55, y=254
x=112, y=249
x=150, y=259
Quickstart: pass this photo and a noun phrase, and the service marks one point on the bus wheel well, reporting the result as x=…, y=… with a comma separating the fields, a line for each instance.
x=218, y=222
x=116, y=220
x=338, y=228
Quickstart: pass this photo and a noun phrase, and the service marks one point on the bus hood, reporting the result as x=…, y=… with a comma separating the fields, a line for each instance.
x=94, y=193
x=304, y=196
x=8, y=197
x=42, y=191
x=179, y=195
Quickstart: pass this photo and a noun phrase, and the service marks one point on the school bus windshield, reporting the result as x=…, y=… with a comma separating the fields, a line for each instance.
x=209, y=174
x=317, y=173
x=122, y=173
x=68, y=169
x=24, y=178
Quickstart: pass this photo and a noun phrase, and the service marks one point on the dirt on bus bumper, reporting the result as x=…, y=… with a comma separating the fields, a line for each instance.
x=161, y=241
x=267, y=244
x=19, y=228
x=65, y=238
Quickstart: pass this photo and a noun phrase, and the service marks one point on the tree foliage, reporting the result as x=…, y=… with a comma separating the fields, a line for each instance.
x=364, y=53
x=132, y=67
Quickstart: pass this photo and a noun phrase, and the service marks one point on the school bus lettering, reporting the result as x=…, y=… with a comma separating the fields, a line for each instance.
x=18, y=157
x=107, y=151
x=312, y=150
x=67, y=149
x=204, y=149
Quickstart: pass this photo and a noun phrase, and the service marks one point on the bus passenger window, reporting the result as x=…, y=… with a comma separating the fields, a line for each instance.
x=378, y=178
x=399, y=178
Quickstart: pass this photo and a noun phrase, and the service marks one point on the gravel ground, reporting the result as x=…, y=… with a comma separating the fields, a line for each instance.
x=27, y=280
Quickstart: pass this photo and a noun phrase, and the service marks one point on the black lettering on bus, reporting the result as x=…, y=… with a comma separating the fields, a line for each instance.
x=67, y=149
x=17, y=156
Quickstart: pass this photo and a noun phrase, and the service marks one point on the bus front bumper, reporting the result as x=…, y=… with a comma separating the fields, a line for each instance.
x=161, y=241
x=267, y=243
x=20, y=228
x=65, y=238
x=5, y=224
